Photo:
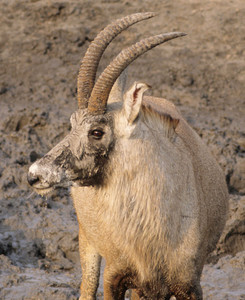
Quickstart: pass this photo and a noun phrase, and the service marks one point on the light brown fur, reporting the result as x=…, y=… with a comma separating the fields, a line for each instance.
x=158, y=213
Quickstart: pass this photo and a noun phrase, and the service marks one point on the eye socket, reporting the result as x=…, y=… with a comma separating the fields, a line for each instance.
x=97, y=134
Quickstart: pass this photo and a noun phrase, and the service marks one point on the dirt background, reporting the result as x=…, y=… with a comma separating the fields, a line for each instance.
x=41, y=44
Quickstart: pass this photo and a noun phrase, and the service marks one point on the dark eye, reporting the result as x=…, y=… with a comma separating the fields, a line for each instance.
x=97, y=134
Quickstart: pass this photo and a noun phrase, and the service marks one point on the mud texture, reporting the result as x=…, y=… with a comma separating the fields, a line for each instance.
x=41, y=44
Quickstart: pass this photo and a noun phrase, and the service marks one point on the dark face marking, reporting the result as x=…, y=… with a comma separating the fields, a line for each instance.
x=65, y=159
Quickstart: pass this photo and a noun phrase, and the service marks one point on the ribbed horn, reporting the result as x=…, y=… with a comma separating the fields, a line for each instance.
x=90, y=62
x=98, y=100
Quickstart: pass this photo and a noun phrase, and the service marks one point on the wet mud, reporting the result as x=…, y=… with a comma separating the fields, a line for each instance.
x=41, y=45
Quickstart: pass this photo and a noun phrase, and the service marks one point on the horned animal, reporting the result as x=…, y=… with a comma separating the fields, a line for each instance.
x=149, y=197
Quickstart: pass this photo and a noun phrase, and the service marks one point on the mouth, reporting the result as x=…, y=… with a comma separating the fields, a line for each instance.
x=43, y=191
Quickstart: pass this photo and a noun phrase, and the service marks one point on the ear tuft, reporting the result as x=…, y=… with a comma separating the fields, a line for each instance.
x=133, y=99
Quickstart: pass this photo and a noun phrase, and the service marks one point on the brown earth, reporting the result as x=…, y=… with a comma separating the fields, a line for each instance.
x=41, y=45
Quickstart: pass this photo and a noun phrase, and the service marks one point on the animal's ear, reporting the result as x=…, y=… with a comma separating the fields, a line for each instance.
x=133, y=99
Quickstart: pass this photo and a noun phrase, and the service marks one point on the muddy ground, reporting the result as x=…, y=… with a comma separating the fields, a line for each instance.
x=41, y=44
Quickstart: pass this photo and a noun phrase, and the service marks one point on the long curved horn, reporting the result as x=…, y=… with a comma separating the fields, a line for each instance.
x=98, y=100
x=90, y=62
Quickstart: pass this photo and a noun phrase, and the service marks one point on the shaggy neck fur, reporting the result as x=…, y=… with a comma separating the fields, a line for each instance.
x=139, y=198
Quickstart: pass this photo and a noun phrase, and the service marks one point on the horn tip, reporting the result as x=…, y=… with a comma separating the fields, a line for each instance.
x=151, y=14
x=146, y=15
x=176, y=34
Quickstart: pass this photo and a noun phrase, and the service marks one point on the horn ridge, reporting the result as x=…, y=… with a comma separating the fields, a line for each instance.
x=90, y=62
x=99, y=96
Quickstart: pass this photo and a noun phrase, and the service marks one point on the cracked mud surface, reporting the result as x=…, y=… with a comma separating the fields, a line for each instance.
x=41, y=44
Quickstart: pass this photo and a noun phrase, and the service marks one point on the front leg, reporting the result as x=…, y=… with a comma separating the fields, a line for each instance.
x=115, y=285
x=90, y=263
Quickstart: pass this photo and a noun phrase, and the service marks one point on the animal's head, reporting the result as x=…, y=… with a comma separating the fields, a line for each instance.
x=80, y=159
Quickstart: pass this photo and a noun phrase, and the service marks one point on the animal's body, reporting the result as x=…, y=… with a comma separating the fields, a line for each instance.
x=149, y=196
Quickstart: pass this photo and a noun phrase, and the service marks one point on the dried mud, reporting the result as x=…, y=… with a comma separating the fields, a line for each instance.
x=41, y=44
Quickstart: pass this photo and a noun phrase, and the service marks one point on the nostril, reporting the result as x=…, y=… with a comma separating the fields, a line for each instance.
x=32, y=179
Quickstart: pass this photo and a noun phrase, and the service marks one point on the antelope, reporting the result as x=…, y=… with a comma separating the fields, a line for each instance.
x=149, y=197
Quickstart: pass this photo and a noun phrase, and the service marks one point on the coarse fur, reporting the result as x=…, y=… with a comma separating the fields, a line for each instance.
x=159, y=212
x=149, y=196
